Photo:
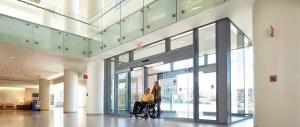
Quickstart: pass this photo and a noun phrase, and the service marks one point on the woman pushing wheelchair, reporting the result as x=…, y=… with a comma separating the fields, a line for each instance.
x=146, y=107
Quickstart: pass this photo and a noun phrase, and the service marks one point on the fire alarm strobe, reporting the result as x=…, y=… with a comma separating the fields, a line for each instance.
x=273, y=78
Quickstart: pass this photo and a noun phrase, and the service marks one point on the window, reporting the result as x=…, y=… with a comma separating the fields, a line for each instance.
x=150, y=50
x=182, y=40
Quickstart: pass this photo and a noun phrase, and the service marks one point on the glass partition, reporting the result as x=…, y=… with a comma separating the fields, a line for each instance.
x=46, y=38
x=159, y=14
x=120, y=22
x=242, y=90
x=137, y=84
x=123, y=92
x=111, y=37
x=187, y=8
x=95, y=47
x=207, y=73
x=75, y=45
x=132, y=26
x=16, y=31
x=112, y=83
x=249, y=79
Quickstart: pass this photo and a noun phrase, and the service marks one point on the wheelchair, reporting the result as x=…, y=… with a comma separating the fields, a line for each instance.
x=149, y=110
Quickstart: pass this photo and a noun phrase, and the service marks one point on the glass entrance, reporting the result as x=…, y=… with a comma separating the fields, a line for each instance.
x=176, y=81
x=137, y=84
x=123, y=92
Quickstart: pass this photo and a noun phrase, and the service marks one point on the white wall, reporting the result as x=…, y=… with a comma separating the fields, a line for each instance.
x=82, y=94
x=277, y=104
x=11, y=95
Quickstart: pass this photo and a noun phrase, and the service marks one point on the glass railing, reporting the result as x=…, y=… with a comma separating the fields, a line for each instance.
x=128, y=20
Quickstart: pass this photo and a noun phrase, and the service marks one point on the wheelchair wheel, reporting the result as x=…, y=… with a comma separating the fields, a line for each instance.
x=152, y=112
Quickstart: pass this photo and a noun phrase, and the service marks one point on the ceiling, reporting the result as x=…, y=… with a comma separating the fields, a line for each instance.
x=25, y=65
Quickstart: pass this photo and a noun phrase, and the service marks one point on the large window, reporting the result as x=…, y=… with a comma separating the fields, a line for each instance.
x=150, y=50
x=176, y=80
x=242, y=99
x=207, y=73
x=112, y=81
x=182, y=40
x=186, y=82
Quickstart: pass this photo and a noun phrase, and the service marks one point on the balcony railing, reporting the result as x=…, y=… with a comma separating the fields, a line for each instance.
x=127, y=21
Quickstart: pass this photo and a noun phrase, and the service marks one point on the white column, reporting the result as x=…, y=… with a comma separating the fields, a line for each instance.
x=44, y=92
x=277, y=103
x=95, y=86
x=70, y=91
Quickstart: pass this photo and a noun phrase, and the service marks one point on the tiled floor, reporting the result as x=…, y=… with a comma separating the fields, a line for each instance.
x=56, y=118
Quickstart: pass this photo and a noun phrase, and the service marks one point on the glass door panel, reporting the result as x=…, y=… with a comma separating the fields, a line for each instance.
x=207, y=95
x=176, y=81
x=137, y=85
x=123, y=91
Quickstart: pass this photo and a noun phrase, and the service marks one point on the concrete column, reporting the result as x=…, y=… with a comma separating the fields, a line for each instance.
x=44, y=92
x=70, y=91
x=76, y=9
x=95, y=86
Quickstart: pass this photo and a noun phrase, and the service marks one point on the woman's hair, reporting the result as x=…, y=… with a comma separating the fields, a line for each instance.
x=156, y=82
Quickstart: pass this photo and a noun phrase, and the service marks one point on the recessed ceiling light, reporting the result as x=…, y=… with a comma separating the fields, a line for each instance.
x=54, y=63
x=18, y=70
x=12, y=57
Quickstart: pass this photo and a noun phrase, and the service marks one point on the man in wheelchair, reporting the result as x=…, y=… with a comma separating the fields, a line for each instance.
x=146, y=107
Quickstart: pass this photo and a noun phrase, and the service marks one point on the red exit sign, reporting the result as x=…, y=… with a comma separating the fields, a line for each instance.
x=85, y=76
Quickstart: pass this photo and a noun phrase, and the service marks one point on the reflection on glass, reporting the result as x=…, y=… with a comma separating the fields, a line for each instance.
x=122, y=91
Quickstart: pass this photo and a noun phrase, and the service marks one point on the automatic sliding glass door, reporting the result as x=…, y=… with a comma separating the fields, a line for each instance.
x=137, y=84
x=123, y=92
x=176, y=81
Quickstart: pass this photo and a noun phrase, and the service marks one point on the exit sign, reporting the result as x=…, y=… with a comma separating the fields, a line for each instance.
x=85, y=76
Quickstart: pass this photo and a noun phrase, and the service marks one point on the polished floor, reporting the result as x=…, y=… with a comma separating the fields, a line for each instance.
x=56, y=118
